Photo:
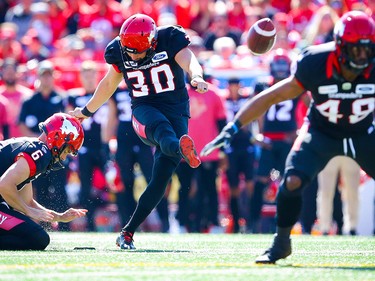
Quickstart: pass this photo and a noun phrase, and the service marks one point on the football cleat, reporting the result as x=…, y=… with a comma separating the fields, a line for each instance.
x=280, y=249
x=188, y=151
x=125, y=240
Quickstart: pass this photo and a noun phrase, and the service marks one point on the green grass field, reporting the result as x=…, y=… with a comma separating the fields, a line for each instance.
x=191, y=257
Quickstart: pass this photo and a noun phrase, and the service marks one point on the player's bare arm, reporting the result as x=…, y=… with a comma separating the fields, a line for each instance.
x=286, y=89
x=187, y=60
x=15, y=175
x=103, y=92
x=27, y=195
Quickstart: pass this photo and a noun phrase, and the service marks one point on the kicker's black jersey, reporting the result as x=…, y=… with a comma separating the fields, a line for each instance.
x=161, y=81
x=35, y=152
x=339, y=108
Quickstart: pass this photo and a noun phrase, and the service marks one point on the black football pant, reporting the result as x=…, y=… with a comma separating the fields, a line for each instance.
x=132, y=150
x=309, y=155
x=19, y=232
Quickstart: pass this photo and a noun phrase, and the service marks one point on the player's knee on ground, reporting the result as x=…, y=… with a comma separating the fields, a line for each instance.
x=39, y=240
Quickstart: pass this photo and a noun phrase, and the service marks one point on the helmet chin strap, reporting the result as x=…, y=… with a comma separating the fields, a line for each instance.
x=57, y=164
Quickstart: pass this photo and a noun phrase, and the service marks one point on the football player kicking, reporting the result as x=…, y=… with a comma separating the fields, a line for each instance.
x=340, y=76
x=23, y=160
x=152, y=60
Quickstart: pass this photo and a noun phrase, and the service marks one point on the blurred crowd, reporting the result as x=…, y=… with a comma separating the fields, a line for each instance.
x=51, y=58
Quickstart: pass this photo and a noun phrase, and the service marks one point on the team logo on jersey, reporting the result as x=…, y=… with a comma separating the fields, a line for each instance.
x=160, y=56
x=67, y=128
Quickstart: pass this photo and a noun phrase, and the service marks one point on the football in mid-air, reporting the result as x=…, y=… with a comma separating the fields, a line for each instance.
x=261, y=36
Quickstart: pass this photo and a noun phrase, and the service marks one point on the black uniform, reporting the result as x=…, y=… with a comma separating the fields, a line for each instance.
x=160, y=109
x=17, y=231
x=340, y=123
x=241, y=151
x=50, y=188
x=131, y=150
x=241, y=157
x=91, y=155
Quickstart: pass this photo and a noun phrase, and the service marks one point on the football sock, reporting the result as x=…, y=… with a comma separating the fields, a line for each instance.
x=154, y=192
x=288, y=209
x=235, y=212
x=283, y=231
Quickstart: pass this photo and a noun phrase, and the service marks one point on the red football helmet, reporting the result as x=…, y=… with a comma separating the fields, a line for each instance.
x=62, y=131
x=353, y=34
x=280, y=64
x=138, y=34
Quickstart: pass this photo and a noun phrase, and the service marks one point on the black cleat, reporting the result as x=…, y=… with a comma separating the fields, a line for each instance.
x=280, y=249
x=125, y=240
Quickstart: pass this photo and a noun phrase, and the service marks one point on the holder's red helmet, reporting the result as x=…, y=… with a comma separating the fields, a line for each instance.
x=355, y=31
x=62, y=131
x=138, y=34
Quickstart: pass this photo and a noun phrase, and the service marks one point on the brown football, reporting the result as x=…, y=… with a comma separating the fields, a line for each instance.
x=261, y=36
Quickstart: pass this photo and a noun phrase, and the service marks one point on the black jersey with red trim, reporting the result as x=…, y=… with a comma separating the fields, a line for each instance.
x=339, y=108
x=159, y=82
x=36, y=153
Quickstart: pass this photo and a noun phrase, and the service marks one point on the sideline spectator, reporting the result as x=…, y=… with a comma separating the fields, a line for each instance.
x=4, y=124
x=9, y=46
x=344, y=173
x=220, y=28
x=34, y=49
x=21, y=16
x=41, y=22
x=14, y=92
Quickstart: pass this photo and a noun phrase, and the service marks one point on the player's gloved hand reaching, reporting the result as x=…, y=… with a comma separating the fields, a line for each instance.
x=223, y=139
